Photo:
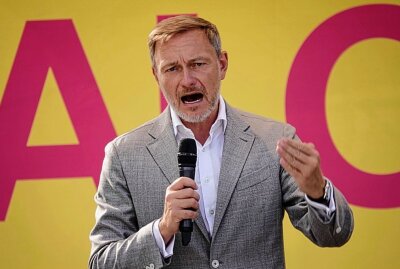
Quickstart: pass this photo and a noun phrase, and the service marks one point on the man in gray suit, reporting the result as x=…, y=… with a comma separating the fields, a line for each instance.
x=249, y=170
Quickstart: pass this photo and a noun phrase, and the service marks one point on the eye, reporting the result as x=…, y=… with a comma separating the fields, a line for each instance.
x=171, y=69
x=198, y=64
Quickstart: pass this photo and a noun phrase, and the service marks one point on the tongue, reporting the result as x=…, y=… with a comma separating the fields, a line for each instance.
x=193, y=98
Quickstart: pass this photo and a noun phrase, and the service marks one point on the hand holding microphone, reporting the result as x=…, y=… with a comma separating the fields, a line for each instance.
x=181, y=200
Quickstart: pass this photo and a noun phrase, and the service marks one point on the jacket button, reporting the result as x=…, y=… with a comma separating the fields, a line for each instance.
x=215, y=263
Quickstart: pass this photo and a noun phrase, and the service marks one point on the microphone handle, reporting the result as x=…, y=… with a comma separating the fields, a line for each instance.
x=186, y=225
x=187, y=171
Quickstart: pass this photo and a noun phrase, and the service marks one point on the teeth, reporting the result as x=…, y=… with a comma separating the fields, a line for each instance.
x=192, y=98
x=191, y=102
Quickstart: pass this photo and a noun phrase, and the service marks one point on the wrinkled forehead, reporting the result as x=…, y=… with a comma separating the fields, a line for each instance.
x=179, y=36
x=193, y=43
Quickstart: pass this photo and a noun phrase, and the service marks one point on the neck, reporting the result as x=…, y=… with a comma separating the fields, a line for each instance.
x=201, y=130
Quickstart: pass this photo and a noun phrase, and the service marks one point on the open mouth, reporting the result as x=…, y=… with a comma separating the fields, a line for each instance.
x=192, y=98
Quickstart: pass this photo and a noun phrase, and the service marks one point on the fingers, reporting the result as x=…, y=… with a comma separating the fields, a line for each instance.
x=302, y=162
x=298, y=154
x=292, y=159
x=292, y=170
x=183, y=182
x=181, y=196
x=169, y=222
x=188, y=203
x=181, y=202
x=185, y=214
x=182, y=188
x=306, y=148
x=299, y=159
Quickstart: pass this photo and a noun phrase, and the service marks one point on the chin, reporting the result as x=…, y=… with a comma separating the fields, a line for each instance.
x=194, y=117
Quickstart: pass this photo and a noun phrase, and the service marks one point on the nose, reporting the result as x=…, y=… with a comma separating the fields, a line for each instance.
x=188, y=79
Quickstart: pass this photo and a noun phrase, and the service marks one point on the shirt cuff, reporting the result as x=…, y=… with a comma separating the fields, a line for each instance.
x=325, y=212
x=166, y=251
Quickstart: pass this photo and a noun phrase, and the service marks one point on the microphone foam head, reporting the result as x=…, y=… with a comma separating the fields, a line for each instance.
x=187, y=152
x=187, y=145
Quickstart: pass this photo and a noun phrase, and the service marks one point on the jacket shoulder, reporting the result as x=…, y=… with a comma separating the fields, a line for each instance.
x=265, y=127
x=141, y=135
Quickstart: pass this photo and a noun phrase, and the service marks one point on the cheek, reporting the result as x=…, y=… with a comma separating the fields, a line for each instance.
x=169, y=85
x=209, y=78
x=165, y=82
x=213, y=82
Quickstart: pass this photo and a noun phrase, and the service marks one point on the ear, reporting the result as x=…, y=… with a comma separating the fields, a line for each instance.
x=223, y=63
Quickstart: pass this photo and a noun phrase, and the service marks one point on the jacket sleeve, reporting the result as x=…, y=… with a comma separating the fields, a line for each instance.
x=117, y=241
x=333, y=233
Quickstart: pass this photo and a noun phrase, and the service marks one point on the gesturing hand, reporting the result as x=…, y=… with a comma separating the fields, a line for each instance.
x=302, y=162
x=180, y=198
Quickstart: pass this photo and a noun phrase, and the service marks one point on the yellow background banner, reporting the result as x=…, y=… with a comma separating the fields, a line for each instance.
x=48, y=219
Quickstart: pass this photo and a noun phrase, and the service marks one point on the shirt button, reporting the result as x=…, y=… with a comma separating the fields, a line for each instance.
x=212, y=211
x=215, y=263
x=207, y=179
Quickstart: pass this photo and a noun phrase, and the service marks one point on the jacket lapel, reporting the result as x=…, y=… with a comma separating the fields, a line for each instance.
x=164, y=148
x=237, y=145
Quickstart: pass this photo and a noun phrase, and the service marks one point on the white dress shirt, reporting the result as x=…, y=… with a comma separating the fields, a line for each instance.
x=208, y=167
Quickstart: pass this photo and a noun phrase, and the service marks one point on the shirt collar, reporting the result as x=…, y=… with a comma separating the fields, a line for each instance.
x=181, y=130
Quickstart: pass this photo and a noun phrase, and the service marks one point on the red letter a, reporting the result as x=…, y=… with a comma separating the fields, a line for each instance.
x=54, y=44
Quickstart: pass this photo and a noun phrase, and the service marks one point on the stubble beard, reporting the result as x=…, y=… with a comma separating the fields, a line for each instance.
x=197, y=117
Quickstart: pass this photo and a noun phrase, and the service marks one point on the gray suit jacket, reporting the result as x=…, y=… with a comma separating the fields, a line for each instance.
x=253, y=193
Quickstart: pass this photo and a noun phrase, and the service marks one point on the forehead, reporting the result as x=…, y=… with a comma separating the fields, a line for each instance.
x=192, y=43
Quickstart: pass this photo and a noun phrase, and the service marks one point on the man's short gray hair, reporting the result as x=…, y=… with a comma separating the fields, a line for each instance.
x=179, y=24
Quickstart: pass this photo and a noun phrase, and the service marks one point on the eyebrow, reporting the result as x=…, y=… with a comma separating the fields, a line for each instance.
x=170, y=64
x=201, y=58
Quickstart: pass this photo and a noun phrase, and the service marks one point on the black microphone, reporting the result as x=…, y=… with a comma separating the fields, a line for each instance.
x=187, y=157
